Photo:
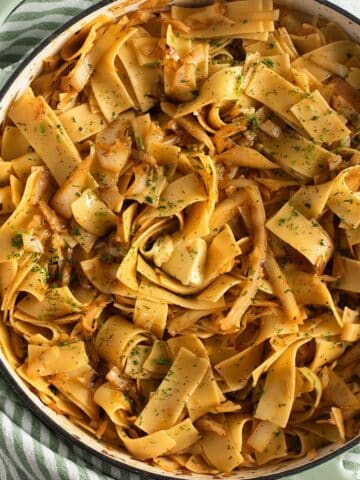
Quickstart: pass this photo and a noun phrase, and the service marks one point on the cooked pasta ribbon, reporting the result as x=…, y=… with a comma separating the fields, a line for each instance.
x=276, y=402
x=109, y=90
x=309, y=110
x=173, y=392
x=180, y=234
x=45, y=133
x=306, y=236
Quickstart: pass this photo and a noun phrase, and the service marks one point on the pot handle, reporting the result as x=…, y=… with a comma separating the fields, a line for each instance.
x=5, y=9
x=326, y=471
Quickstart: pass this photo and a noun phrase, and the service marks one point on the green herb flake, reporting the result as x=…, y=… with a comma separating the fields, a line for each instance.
x=154, y=63
x=140, y=143
x=268, y=62
x=239, y=82
x=17, y=241
x=162, y=361
x=253, y=121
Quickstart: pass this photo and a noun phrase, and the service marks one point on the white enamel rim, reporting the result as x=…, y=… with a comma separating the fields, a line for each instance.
x=18, y=81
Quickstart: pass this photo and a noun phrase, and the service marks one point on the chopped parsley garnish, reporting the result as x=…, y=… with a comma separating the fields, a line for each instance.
x=162, y=361
x=252, y=121
x=268, y=62
x=140, y=143
x=154, y=63
x=239, y=82
x=17, y=241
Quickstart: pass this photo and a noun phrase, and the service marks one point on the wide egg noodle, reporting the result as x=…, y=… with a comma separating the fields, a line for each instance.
x=92, y=214
x=238, y=19
x=334, y=52
x=56, y=303
x=14, y=144
x=290, y=225
x=114, y=402
x=74, y=386
x=207, y=395
x=308, y=289
x=88, y=55
x=115, y=346
x=46, y=135
x=344, y=197
x=37, y=332
x=22, y=215
x=151, y=316
x=213, y=445
x=44, y=360
x=309, y=110
x=173, y=392
x=256, y=260
x=297, y=154
x=143, y=79
x=281, y=288
x=222, y=85
x=347, y=269
x=106, y=84
x=277, y=93
x=237, y=369
x=161, y=442
x=80, y=179
x=276, y=402
x=80, y=122
x=245, y=157
x=126, y=272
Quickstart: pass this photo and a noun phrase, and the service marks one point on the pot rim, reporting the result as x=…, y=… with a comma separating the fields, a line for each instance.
x=5, y=369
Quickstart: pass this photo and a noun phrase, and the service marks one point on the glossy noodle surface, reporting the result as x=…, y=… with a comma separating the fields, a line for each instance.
x=180, y=234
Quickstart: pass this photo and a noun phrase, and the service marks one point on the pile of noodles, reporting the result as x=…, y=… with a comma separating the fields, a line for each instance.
x=180, y=234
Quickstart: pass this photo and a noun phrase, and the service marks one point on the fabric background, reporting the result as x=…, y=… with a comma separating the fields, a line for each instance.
x=28, y=449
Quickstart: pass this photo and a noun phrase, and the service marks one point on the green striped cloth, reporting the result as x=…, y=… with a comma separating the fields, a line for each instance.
x=28, y=449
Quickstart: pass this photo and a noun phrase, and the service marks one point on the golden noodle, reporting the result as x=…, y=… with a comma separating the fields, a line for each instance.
x=180, y=234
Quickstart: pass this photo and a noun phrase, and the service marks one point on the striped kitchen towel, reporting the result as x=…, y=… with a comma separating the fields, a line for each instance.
x=28, y=449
